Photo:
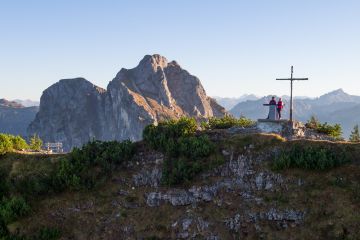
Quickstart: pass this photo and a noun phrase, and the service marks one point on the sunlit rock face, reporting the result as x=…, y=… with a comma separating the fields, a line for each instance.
x=70, y=112
x=74, y=111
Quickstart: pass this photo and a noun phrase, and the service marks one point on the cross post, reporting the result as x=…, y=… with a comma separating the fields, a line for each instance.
x=291, y=79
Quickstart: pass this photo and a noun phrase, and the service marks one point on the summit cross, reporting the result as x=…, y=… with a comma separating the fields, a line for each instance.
x=291, y=79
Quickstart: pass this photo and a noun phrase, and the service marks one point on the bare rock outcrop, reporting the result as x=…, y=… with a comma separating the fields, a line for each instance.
x=74, y=111
x=70, y=112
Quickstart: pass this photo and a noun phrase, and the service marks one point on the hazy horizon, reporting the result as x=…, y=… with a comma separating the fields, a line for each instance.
x=214, y=96
x=234, y=48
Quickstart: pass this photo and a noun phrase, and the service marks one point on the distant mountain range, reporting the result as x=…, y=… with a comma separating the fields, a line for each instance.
x=229, y=103
x=334, y=107
x=27, y=102
x=15, y=118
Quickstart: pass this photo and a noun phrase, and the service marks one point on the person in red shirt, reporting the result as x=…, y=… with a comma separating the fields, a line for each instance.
x=279, y=107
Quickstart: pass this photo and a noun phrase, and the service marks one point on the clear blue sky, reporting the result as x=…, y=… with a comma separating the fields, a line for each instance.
x=233, y=46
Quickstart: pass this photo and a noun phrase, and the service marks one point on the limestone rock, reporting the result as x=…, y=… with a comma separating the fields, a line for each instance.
x=74, y=111
x=234, y=223
x=70, y=112
x=148, y=177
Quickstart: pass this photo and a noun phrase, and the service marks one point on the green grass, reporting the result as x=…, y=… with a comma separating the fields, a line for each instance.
x=227, y=121
x=312, y=157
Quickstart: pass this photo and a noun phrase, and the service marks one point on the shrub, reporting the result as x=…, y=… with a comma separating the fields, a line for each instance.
x=334, y=131
x=185, y=153
x=187, y=159
x=5, y=144
x=313, y=123
x=47, y=234
x=13, y=208
x=4, y=184
x=331, y=130
x=18, y=143
x=35, y=143
x=195, y=147
x=33, y=185
x=158, y=136
x=44, y=233
x=3, y=229
x=310, y=157
x=227, y=121
x=355, y=136
x=179, y=170
x=8, y=143
x=91, y=164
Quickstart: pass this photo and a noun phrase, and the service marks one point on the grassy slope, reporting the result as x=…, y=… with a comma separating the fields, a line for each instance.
x=331, y=200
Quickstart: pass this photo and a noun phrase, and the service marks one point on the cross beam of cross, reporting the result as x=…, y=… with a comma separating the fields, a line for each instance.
x=291, y=79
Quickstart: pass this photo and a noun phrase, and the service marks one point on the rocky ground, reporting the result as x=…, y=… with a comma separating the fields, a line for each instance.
x=241, y=199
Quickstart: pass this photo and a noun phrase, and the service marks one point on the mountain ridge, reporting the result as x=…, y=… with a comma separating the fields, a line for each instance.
x=333, y=107
x=74, y=111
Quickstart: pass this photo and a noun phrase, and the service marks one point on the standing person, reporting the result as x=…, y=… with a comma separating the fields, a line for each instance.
x=280, y=106
x=272, y=102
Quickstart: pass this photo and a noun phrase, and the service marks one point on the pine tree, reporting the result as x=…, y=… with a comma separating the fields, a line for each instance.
x=313, y=122
x=355, y=135
x=36, y=143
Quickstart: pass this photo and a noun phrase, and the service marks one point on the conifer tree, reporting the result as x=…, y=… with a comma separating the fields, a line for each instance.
x=35, y=143
x=355, y=135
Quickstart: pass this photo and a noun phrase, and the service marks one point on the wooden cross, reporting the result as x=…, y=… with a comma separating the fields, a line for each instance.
x=291, y=79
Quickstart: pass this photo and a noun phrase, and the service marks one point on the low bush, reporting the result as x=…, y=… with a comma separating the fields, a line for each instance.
x=187, y=158
x=47, y=234
x=331, y=130
x=185, y=153
x=334, y=131
x=91, y=164
x=13, y=208
x=18, y=143
x=310, y=157
x=8, y=143
x=313, y=123
x=195, y=147
x=44, y=233
x=3, y=230
x=179, y=170
x=33, y=185
x=5, y=144
x=4, y=183
x=158, y=136
x=227, y=121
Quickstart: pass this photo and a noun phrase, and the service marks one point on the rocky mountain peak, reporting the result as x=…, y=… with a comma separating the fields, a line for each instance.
x=338, y=95
x=340, y=90
x=154, y=60
x=74, y=111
